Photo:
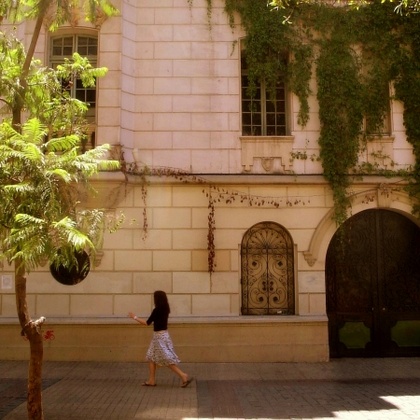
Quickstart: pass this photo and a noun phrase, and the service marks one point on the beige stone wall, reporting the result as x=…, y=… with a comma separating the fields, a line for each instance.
x=198, y=340
x=90, y=319
x=173, y=257
x=171, y=99
x=180, y=97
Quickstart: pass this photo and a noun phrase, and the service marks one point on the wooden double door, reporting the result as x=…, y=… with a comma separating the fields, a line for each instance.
x=373, y=286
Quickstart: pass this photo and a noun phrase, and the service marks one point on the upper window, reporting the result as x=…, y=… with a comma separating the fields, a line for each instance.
x=64, y=46
x=381, y=129
x=264, y=111
x=379, y=126
x=87, y=46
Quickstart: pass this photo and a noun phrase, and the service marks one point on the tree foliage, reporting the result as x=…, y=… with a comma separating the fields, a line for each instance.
x=40, y=159
x=402, y=7
x=41, y=168
x=62, y=10
x=39, y=184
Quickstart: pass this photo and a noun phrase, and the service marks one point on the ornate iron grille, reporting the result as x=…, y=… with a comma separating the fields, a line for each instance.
x=267, y=271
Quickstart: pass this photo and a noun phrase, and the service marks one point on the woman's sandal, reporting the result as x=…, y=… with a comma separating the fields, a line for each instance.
x=147, y=384
x=187, y=382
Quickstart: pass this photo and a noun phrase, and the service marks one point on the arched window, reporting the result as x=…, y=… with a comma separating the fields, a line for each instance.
x=64, y=46
x=267, y=270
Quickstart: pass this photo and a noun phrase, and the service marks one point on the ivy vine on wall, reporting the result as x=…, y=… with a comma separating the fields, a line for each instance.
x=214, y=193
x=267, y=41
x=357, y=55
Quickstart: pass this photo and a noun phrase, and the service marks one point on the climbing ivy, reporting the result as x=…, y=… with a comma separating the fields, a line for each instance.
x=338, y=89
x=358, y=54
x=267, y=43
x=407, y=89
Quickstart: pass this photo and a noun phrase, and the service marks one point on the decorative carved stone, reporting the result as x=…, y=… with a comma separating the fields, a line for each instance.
x=98, y=258
x=309, y=258
x=384, y=196
x=270, y=150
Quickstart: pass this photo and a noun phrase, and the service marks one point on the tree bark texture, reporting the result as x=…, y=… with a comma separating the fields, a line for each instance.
x=32, y=331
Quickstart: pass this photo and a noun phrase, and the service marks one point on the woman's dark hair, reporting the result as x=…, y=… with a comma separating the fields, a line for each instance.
x=161, y=300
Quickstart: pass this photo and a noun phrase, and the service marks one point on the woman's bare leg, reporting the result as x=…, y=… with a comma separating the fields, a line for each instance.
x=152, y=373
x=179, y=372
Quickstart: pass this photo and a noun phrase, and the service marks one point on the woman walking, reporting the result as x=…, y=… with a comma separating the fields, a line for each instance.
x=161, y=350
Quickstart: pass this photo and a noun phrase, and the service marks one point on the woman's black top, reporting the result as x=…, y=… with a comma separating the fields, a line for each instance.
x=159, y=317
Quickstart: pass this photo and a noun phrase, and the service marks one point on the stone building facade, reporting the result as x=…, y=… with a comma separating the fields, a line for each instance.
x=171, y=102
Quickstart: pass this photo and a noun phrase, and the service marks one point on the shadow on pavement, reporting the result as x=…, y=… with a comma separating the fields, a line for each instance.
x=306, y=398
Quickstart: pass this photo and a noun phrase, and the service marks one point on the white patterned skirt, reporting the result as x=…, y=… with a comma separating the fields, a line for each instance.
x=161, y=350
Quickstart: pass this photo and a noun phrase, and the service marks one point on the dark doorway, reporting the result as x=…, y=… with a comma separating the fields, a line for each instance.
x=373, y=286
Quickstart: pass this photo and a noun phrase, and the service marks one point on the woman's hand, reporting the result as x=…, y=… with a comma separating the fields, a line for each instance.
x=140, y=321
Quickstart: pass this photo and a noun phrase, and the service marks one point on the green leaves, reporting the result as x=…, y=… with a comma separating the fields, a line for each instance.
x=40, y=202
x=59, y=144
x=43, y=96
x=93, y=7
x=80, y=67
x=359, y=52
x=12, y=56
x=61, y=11
x=274, y=50
x=66, y=230
x=59, y=173
x=403, y=7
x=340, y=113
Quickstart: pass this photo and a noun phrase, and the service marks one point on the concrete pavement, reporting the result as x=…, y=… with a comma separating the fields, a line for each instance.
x=366, y=389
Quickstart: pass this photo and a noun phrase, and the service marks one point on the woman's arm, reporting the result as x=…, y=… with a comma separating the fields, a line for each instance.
x=139, y=320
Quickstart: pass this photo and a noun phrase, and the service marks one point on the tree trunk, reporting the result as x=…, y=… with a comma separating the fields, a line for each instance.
x=34, y=403
x=32, y=330
x=20, y=94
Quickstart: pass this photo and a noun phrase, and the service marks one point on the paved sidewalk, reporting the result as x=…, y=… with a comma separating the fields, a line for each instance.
x=366, y=389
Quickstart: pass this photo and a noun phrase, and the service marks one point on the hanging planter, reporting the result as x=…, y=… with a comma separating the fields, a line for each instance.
x=70, y=276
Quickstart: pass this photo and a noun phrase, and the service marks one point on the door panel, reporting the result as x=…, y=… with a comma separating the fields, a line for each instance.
x=373, y=286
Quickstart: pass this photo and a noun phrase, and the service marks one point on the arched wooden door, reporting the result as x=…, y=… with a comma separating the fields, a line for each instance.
x=373, y=286
x=267, y=271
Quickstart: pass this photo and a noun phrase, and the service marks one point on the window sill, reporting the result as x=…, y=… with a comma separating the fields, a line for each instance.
x=380, y=151
x=274, y=152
